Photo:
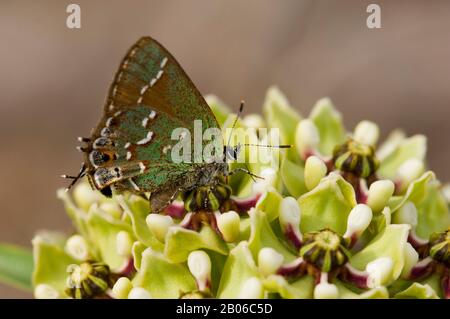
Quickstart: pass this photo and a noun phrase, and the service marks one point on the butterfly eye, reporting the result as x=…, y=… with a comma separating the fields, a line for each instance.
x=230, y=153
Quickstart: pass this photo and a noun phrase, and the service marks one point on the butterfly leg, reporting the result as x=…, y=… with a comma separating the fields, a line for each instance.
x=75, y=178
x=244, y=170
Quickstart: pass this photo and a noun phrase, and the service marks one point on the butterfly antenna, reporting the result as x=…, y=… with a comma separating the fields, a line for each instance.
x=75, y=178
x=270, y=146
x=238, y=115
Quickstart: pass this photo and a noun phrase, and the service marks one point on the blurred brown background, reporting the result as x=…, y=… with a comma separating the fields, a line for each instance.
x=53, y=80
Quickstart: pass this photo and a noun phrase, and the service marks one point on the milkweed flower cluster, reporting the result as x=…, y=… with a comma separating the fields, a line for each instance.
x=344, y=216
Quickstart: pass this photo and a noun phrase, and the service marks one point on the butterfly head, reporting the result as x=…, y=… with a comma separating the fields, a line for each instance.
x=231, y=153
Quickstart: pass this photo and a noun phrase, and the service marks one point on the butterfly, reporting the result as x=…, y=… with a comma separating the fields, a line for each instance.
x=130, y=148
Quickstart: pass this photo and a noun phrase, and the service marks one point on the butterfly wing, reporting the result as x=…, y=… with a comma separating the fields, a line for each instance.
x=150, y=97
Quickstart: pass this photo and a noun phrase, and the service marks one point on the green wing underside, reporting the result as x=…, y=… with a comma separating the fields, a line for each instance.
x=151, y=80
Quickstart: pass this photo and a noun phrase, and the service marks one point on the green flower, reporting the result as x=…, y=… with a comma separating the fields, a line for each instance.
x=339, y=216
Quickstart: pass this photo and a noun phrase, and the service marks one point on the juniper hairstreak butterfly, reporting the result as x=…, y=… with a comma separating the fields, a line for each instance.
x=130, y=148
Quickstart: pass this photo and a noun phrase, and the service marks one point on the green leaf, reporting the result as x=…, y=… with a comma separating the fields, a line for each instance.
x=408, y=148
x=162, y=278
x=51, y=261
x=16, y=266
x=239, y=267
x=327, y=205
x=180, y=242
x=375, y=293
x=138, y=209
x=415, y=193
x=300, y=289
x=391, y=242
x=433, y=212
x=77, y=215
x=280, y=115
x=329, y=124
x=262, y=236
x=417, y=291
x=293, y=178
x=103, y=230
x=269, y=203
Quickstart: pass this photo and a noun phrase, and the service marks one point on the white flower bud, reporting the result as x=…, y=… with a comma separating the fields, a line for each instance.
x=112, y=208
x=269, y=176
x=122, y=288
x=269, y=261
x=379, y=271
x=200, y=267
x=358, y=220
x=254, y=121
x=85, y=196
x=367, y=133
x=379, y=194
x=159, y=225
x=290, y=215
x=77, y=247
x=315, y=170
x=124, y=243
x=411, y=259
x=307, y=137
x=410, y=171
x=325, y=290
x=407, y=214
x=446, y=192
x=228, y=224
x=252, y=289
x=44, y=291
x=139, y=293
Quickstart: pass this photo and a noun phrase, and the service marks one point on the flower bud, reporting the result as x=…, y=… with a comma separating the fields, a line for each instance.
x=366, y=132
x=124, y=243
x=307, y=138
x=112, y=208
x=358, y=220
x=446, y=192
x=379, y=272
x=411, y=259
x=379, y=194
x=254, y=121
x=122, y=288
x=77, y=247
x=289, y=219
x=407, y=214
x=44, y=291
x=159, y=225
x=325, y=290
x=409, y=171
x=269, y=261
x=139, y=293
x=252, y=289
x=85, y=196
x=269, y=176
x=315, y=170
x=228, y=224
x=199, y=265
